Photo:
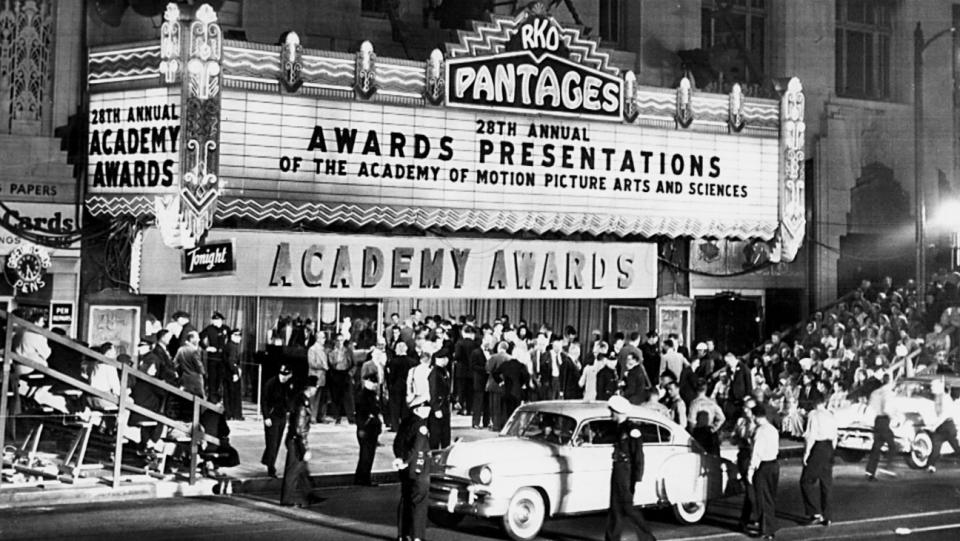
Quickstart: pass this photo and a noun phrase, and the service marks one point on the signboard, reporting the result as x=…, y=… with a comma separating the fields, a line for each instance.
x=303, y=149
x=360, y=266
x=209, y=259
x=39, y=189
x=16, y=217
x=534, y=73
x=119, y=325
x=62, y=316
x=134, y=141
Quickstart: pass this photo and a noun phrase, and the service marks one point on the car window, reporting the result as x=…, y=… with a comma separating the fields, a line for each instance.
x=542, y=426
x=665, y=434
x=649, y=432
x=597, y=432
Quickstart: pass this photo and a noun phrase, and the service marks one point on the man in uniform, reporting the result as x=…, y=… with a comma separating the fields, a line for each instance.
x=368, y=423
x=764, y=472
x=274, y=407
x=215, y=337
x=412, y=450
x=627, y=472
x=820, y=439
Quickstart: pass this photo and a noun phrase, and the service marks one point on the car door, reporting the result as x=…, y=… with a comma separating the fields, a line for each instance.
x=689, y=475
x=587, y=487
x=655, y=452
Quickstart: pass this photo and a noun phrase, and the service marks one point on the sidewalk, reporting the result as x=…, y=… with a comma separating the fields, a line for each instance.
x=334, y=452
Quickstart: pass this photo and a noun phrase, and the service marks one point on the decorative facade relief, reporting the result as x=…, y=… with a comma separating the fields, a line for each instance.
x=366, y=75
x=291, y=63
x=735, y=119
x=684, y=114
x=26, y=58
x=792, y=199
x=435, y=88
x=170, y=44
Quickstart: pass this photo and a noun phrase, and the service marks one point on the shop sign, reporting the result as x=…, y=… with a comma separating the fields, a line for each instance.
x=134, y=141
x=43, y=219
x=209, y=259
x=359, y=266
x=61, y=315
x=536, y=71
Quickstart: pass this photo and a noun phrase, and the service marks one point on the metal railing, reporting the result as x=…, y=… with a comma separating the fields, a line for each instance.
x=124, y=403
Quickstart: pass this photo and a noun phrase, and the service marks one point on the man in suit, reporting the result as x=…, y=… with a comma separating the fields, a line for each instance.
x=740, y=387
x=651, y=355
x=274, y=407
x=462, y=351
x=631, y=347
x=513, y=378
x=635, y=383
x=478, y=372
x=190, y=365
x=493, y=387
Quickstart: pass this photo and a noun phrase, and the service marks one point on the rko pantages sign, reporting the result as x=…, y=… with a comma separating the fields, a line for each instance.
x=309, y=265
x=536, y=65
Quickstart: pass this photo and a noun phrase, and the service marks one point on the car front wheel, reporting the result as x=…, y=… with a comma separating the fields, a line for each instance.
x=690, y=512
x=920, y=449
x=525, y=514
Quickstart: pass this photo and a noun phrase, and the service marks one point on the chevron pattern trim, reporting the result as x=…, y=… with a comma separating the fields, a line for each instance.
x=321, y=214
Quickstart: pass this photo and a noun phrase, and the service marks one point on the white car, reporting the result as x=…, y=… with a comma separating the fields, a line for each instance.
x=554, y=458
x=912, y=436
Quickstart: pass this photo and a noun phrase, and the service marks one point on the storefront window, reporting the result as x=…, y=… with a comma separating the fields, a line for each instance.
x=864, y=30
x=610, y=21
x=733, y=33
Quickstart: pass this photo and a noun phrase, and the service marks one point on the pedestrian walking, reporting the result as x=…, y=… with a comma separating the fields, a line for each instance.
x=607, y=383
x=189, y=364
x=493, y=386
x=397, y=370
x=318, y=365
x=764, y=472
x=411, y=447
x=441, y=391
x=341, y=388
x=513, y=377
x=945, y=428
x=820, y=439
x=274, y=407
x=742, y=437
x=627, y=472
x=368, y=426
x=705, y=419
x=297, y=486
x=881, y=403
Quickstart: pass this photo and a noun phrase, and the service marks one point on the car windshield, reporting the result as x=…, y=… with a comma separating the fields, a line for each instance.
x=914, y=389
x=541, y=426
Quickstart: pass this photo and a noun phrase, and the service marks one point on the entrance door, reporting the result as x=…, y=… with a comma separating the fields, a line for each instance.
x=730, y=320
x=364, y=321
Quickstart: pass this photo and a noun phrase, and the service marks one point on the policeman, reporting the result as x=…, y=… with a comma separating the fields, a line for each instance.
x=275, y=405
x=368, y=426
x=411, y=446
x=627, y=472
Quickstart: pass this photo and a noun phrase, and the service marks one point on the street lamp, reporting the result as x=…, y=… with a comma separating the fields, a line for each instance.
x=919, y=45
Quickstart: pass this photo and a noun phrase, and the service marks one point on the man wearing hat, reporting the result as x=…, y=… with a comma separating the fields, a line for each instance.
x=411, y=447
x=214, y=338
x=232, y=386
x=274, y=406
x=297, y=486
x=627, y=472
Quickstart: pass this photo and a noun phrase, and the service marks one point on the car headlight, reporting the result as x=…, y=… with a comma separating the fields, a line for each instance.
x=482, y=474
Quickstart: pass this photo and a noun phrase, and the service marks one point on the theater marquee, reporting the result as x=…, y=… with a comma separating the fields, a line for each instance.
x=523, y=125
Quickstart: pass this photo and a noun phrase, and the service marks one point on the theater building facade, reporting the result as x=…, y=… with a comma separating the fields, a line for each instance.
x=515, y=172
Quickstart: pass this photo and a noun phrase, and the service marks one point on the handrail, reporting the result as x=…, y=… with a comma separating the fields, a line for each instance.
x=122, y=401
x=86, y=351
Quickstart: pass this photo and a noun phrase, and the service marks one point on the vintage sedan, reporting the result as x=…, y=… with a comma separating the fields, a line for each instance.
x=912, y=436
x=554, y=458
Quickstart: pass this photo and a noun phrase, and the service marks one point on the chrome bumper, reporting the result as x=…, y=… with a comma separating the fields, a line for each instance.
x=460, y=496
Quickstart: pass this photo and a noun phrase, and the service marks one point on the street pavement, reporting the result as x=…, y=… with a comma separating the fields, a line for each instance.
x=928, y=505
x=334, y=447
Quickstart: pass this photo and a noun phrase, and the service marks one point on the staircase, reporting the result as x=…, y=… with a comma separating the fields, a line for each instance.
x=58, y=445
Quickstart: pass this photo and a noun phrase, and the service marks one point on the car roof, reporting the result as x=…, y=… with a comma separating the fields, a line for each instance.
x=589, y=409
x=950, y=379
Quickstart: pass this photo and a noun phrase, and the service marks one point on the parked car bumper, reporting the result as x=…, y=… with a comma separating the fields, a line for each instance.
x=461, y=496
